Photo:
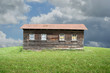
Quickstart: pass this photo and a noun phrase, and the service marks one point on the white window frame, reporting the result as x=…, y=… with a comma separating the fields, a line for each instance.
x=60, y=36
x=72, y=36
x=31, y=36
x=43, y=38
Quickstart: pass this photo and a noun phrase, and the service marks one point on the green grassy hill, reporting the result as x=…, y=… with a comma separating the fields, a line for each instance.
x=90, y=60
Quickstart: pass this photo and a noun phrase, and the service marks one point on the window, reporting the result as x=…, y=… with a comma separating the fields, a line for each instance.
x=31, y=36
x=43, y=37
x=61, y=37
x=74, y=37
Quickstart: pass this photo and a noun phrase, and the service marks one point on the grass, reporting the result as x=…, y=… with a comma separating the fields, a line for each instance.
x=90, y=60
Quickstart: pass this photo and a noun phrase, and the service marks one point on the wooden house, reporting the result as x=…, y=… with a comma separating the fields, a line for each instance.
x=53, y=36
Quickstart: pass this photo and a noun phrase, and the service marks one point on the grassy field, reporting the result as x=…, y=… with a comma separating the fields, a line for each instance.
x=90, y=60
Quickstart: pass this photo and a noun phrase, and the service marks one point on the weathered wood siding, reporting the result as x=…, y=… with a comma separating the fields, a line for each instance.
x=52, y=39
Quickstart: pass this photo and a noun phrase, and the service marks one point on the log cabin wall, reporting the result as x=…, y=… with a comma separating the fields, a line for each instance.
x=52, y=39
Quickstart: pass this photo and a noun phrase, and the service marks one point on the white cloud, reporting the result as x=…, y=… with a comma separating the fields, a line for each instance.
x=22, y=17
x=63, y=13
x=8, y=42
x=49, y=18
x=12, y=11
x=107, y=19
x=94, y=44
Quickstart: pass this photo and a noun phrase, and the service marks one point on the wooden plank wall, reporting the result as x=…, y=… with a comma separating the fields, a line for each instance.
x=52, y=39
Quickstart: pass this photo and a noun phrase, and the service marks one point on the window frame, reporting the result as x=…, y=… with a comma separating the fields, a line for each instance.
x=75, y=39
x=32, y=39
x=59, y=37
x=45, y=37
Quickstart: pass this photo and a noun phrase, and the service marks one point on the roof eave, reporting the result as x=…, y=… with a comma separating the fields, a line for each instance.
x=55, y=29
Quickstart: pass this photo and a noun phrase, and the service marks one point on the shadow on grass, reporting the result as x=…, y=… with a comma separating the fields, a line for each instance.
x=21, y=49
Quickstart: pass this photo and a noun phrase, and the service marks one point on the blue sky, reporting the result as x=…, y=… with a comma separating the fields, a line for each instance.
x=39, y=8
x=95, y=14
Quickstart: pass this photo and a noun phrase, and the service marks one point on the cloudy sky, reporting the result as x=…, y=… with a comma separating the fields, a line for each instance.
x=95, y=14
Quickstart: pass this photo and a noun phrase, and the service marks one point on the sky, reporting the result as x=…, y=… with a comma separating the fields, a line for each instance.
x=95, y=14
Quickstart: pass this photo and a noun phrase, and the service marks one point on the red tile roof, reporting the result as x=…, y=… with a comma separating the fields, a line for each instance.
x=55, y=26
